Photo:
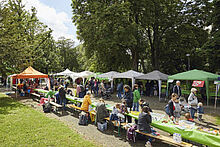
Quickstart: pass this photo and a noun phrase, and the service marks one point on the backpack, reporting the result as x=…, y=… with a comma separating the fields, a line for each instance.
x=167, y=110
x=83, y=119
x=131, y=133
x=46, y=107
x=82, y=88
x=113, y=117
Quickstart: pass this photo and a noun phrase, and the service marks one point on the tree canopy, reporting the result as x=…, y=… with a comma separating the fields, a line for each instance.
x=145, y=34
x=115, y=35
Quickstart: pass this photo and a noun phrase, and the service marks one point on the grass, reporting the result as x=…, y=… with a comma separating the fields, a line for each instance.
x=218, y=120
x=24, y=126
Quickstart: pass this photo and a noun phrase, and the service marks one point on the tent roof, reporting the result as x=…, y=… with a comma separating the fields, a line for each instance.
x=108, y=74
x=84, y=74
x=128, y=74
x=30, y=73
x=66, y=72
x=194, y=75
x=154, y=75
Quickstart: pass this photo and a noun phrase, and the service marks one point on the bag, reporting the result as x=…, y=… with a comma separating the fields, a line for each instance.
x=131, y=133
x=46, y=107
x=82, y=88
x=167, y=110
x=83, y=119
x=113, y=117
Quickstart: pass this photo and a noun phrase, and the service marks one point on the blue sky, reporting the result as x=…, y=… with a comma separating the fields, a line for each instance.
x=57, y=15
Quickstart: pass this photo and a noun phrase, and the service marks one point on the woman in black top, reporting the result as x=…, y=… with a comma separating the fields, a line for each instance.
x=128, y=97
x=171, y=105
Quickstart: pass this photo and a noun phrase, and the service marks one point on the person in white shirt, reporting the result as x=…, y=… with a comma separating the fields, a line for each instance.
x=193, y=102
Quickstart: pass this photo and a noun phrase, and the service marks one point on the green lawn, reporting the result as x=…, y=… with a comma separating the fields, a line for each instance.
x=218, y=120
x=24, y=126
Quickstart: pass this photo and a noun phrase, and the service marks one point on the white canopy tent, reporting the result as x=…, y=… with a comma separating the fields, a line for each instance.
x=109, y=75
x=128, y=75
x=83, y=75
x=9, y=83
x=155, y=75
x=66, y=72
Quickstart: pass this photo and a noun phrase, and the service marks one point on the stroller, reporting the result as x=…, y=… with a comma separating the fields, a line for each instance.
x=106, y=94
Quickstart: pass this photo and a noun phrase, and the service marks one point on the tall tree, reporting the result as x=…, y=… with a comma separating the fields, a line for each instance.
x=21, y=34
x=211, y=49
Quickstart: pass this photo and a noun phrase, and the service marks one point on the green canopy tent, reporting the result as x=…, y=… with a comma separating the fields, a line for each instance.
x=195, y=75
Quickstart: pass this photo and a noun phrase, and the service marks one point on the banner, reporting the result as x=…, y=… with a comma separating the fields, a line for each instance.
x=198, y=83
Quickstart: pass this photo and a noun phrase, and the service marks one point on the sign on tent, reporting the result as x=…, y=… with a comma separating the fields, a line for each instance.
x=198, y=83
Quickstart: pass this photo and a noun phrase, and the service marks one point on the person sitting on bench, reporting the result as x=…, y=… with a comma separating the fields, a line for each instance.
x=86, y=101
x=62, y=96
x=144, y=121
x=101, y=111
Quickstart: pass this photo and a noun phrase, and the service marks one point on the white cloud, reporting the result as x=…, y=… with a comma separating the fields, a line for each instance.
x=57, y=21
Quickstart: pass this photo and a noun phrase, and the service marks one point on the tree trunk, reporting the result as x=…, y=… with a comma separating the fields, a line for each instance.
x=135, y=60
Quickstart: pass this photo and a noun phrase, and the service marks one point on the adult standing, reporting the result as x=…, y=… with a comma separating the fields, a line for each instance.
x=101, y=88
x=147, y=87
x=193, y=102
x=96, y=88
x=177, y=89
x=137, y=97
x=151, y=88
x=91, y=84
x=129, y=100
x=120, y=89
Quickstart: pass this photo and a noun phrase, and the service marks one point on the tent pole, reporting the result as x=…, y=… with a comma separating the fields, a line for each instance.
x=216, y=94
x=133, y=82
x=167, y=93
x=112, y=84
x=159, y=84
x=207, y=91
x=16, y=89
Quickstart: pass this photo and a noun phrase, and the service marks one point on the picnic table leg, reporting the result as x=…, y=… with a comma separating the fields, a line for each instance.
x=119, y=128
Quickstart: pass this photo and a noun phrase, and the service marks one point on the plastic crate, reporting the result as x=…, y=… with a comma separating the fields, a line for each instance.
x=102, y=127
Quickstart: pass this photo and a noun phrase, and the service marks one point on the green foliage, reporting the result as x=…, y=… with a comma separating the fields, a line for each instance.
x=211, y=49
x=25, y=41
x=24, y=126
x=118, y=35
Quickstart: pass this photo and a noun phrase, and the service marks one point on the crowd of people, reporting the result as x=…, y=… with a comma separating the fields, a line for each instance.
x=178, y=105
x=27, y=86
x=130, y=101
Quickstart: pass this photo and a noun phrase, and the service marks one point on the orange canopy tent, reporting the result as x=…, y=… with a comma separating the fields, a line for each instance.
x=30, y=73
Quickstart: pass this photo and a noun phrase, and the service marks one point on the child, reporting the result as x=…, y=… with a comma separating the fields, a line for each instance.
x=115, y=111
x=200, y=111
x=22, y=93
x=141, y=102
x=177, y=110
x=137, y=96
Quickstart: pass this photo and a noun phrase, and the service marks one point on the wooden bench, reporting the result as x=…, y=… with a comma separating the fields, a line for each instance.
x=167, y=140
x=76, y=108
x=116, y=124
x=57, y=106
x=34, y=94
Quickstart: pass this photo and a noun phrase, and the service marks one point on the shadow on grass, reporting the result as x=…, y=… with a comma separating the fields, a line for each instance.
x=7, y=104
